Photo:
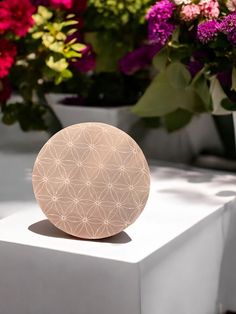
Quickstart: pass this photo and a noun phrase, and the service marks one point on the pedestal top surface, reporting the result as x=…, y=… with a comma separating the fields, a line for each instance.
x=180, y=198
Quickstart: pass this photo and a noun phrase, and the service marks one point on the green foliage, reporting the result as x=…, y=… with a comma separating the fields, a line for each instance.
x=160, y=60
x=174, y=96
x=108, y=50
x=115, y=13
x=52, y=34
x=43, y=56
x=177, y=119
x=29, y=116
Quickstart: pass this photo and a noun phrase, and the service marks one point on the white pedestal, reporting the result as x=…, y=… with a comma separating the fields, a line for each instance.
x=168, y=262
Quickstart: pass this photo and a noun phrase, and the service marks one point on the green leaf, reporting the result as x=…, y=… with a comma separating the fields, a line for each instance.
x=10, y=113
x=217, y=95
x=66, y=74
x=175, y=35
x=160, y=59
x=58, y=79
x=47, y=39
x=168, y=92
x=37, y=35
x=70, y=16
x=38, y=19
x=78, y=47
x=228, y=104
x=179, y=53
x=233, y=87
x=57, y=65
x=44, y=12
x=72, y=54
x=60, y=36
x=57, y=46
x=200, y=86
x=159, y=98
x=177, y=119
x=71, y=31
x=178, y=75
x=68, y=23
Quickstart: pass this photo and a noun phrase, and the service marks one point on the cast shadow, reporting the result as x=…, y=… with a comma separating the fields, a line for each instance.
x=46, y=228
x=226, y=193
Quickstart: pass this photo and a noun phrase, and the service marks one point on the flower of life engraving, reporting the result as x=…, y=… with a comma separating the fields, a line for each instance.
x=91, y=180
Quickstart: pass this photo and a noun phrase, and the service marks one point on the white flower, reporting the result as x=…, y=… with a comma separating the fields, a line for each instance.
x=179, y=2
x=231, y=5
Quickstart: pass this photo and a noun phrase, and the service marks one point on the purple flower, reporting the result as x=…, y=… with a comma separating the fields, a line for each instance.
x=225, y=78
x=138, y=59
x=160, y=26
x=161, y=11
x=228, y=24
x=207, y=31
x=45, y=3
x=194, y=67
x=87, y=62
x=232, y=37
x=228, y=27
x=159, y=33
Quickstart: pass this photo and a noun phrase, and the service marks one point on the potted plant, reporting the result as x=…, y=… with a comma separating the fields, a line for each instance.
x=38, y=45
x=118, y=76
x=195, y=66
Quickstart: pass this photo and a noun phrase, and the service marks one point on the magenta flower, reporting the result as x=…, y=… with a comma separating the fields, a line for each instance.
x=7, y=56
x=161, y=11
x=207, y=31
x=228, y=24
x=16, y=16
x=63, y=4
x=228, y=27
x=160, y=26
x=138, y=59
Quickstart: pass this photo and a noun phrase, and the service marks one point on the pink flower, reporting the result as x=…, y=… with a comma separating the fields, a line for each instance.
x=63, y=4
x=231, y=5
x=7, y=56
x=5, y=90
x=209, y=8
x=16, y=16
x=189, y=12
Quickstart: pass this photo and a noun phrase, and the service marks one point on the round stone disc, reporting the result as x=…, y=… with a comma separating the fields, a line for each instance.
x=91, y=180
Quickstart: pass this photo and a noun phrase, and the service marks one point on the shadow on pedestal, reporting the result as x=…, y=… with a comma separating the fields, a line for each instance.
x=45, y=228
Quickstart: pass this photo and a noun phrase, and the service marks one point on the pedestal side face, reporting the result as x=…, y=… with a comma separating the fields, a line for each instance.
x=35, y=280
x=184, y=276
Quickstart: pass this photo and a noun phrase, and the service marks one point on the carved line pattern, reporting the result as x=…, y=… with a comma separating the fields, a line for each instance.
x=91, y=180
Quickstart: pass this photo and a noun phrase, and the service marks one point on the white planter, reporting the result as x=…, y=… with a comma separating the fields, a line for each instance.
x=183, y=145
x=120, y=117
x=180, y=146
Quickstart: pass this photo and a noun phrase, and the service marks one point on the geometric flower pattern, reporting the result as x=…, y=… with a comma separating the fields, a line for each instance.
x=91, y=180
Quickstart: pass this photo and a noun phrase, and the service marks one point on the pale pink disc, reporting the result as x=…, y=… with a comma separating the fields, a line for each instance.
x=91, y=180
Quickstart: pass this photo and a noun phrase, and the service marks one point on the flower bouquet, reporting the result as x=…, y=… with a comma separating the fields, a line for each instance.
x=196, y=63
